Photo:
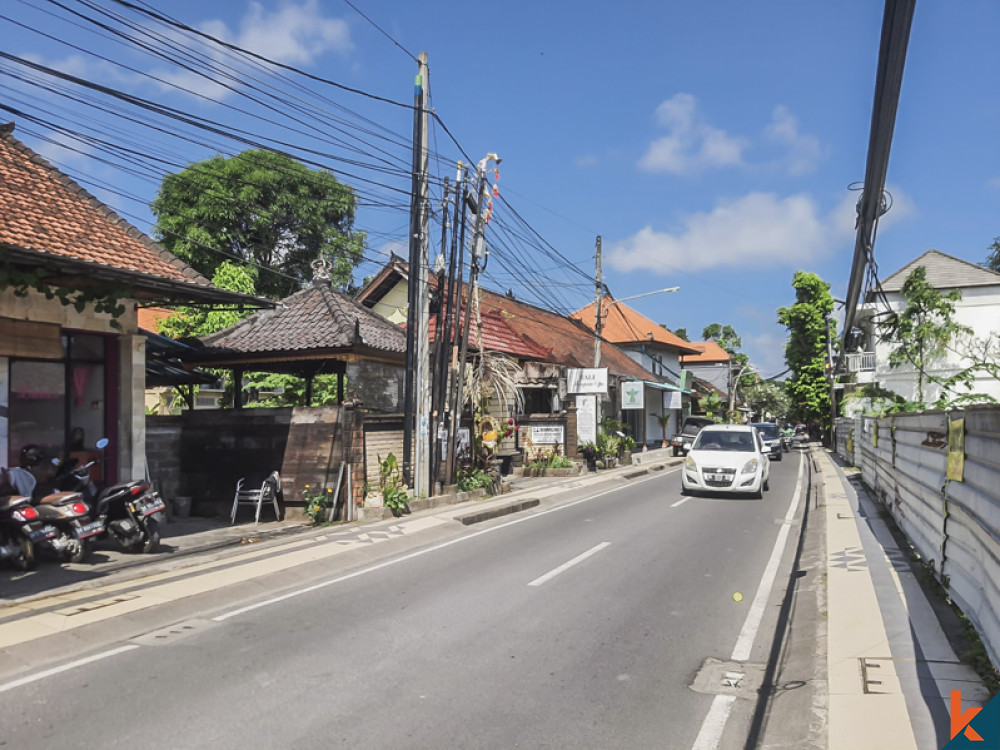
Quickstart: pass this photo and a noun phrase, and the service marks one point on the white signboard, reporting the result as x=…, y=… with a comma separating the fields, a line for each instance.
x=671, y=399
x=547, y=434
x=586, y=419
x=632, y=394
x=586, y=380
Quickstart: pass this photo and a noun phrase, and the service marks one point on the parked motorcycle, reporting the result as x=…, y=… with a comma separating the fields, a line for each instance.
x=130, y=512
x=20, y=530
x=75, y=531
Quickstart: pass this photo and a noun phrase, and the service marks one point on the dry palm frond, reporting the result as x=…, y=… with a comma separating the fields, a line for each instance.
x=493, y=375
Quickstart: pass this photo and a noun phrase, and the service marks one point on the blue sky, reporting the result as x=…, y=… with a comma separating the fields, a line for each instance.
x=711, y=144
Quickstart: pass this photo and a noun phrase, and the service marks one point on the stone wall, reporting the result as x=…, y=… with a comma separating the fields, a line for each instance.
x=163, y=455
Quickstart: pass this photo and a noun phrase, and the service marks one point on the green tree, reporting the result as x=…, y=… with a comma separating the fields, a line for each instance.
x=681, y=333
x=740, y=377
x=993, y=259
x=193, y=322
x=924, y=329
x=263, y=208
x=767, y=396
x=806, y=349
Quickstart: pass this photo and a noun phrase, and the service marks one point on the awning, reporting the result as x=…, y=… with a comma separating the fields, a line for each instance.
x=164, y=368
x=665, y=386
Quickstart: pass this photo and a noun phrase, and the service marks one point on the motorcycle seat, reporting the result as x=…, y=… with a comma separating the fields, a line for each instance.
x=58, y=497
x=10, y=501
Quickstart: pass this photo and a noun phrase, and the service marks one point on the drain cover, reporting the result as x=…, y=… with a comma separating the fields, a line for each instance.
x=718, y=677
x=173, y=633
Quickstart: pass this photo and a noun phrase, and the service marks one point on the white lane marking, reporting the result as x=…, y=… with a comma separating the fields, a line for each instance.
x=66, y=667
x=567, y=565
x=715, y=721
x=680, y=502
x=741, y=652
x=428, y=550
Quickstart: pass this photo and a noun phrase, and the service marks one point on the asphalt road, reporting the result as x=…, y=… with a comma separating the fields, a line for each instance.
x=581, y=624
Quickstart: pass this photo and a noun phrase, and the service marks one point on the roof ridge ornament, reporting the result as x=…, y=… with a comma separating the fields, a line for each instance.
x=321, y=268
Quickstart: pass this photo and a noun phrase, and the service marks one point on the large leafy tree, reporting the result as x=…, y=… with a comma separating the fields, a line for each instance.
x=806, y=349
x=925, y=328
x=740, y=377
x=993, y=259
x=265, y=209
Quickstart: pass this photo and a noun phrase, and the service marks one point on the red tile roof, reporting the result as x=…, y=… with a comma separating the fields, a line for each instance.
x=568, y=342
x=623, y=325
x=498, y=336
x=150, y=317
x=44, y=212
x=709, y=352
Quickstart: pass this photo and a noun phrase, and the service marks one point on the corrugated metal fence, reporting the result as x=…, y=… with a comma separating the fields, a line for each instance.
x=954, y=524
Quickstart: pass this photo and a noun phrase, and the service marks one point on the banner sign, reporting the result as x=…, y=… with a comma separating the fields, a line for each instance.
x=633, y=392
x=956, y=450
x=547, y=434
x=671, y=399
x=586, y=419
x=586, y=380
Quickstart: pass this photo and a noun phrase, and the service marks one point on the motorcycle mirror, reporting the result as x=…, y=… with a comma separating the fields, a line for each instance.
x=55, y=461
x=102, y=444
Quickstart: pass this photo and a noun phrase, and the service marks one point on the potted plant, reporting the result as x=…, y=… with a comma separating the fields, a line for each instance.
x=589, y=452
x=626, y=446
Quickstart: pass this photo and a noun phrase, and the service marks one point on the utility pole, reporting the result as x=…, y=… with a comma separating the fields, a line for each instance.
x=598, y=322
x=598, y=299
x=415, y=404
x=455, y=312
x=476, y=254
x=439, y=371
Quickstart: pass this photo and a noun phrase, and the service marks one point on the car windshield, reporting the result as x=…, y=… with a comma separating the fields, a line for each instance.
x=767, y=429
x=724, y=440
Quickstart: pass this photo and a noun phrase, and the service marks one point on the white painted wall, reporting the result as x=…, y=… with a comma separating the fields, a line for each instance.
x=979, y=309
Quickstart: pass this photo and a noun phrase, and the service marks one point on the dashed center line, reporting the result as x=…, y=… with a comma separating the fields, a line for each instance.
x=680, y=502
x=566, y=566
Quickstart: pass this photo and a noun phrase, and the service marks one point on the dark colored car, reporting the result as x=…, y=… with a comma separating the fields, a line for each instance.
x=772, y=438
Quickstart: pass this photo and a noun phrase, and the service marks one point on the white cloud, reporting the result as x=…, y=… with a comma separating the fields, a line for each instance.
x=759, y=229
x=767, y=352
x=293, y=34
x=843, y=219
x=692, y=144
x=803, y=151
x=587, y=160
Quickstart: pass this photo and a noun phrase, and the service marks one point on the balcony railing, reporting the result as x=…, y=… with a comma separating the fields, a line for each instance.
x=861, y=362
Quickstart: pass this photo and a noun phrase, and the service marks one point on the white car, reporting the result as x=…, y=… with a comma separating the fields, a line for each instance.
x=727, y=458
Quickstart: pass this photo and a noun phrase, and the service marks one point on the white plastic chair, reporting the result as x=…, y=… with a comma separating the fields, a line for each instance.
x=268, y=491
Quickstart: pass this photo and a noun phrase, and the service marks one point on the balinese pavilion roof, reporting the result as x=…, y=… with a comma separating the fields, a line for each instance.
x=315, y=325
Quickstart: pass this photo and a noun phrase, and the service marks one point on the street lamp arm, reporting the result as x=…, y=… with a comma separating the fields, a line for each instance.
x=644, y=294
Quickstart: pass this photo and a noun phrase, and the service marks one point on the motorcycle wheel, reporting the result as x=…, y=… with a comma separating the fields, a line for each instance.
x=150, y=541
x=25, y=559
x=80, y=550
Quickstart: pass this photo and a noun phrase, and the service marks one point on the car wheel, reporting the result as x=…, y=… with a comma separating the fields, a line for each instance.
x=777, y=456
x=767, y=484
x=677, y=451
x=759, y=494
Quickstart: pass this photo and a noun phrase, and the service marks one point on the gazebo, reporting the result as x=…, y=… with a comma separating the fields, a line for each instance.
x=317, y=331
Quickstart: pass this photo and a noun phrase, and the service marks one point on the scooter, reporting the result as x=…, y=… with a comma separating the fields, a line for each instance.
x=130, y=512
x=75, y=532
x=20, y=531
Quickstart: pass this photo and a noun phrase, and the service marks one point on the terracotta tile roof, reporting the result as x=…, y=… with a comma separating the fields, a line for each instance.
x=316, y=318
x=568, y=342
x=709, y=352
x=623, y=325
x=498, y=336
x=45, y=213
x=150, y=317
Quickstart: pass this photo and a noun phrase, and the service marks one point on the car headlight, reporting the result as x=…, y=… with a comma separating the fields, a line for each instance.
x=690, y=465
x=750, y=466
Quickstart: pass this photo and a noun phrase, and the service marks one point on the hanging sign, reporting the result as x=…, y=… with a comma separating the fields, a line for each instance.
x=586, y=380
x=633, y=392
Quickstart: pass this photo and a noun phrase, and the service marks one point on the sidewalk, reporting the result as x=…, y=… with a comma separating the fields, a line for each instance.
x=184, y=539
x=890, y=665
